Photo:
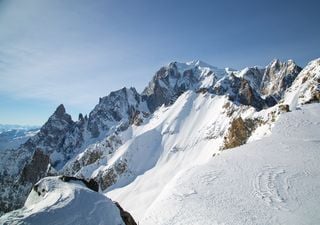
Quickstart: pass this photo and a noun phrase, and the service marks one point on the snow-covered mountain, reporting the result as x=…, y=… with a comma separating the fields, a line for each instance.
x=12, y=136
x=188, y=113
x=8, y=127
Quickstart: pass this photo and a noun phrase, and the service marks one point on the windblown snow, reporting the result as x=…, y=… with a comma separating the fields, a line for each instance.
x=275, y=180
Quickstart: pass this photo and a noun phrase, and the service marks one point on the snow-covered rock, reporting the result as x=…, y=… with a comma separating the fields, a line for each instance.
x=53, y=201
x=172, y=80
x=306, y=87
x=273, y=80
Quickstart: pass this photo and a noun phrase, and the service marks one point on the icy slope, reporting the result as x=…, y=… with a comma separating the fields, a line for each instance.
x=53, y=201
x=275, y=180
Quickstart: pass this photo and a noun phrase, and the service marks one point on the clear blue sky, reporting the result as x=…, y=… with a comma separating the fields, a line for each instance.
x=75, y=51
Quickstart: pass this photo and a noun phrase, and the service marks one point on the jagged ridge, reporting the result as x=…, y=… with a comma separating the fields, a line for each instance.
x=61, y=139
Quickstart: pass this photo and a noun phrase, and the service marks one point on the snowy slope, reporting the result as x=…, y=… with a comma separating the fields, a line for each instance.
x=192, y=131
x=53, y=201
x=275, y=180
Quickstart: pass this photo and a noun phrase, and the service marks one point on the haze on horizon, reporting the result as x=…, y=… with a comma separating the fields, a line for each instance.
x=75, y=51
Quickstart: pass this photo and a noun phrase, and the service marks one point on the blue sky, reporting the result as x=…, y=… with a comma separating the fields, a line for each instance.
x=75, y=51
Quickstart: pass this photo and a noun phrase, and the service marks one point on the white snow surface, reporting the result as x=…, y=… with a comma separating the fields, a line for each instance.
x=274, y=180
x=65, y=203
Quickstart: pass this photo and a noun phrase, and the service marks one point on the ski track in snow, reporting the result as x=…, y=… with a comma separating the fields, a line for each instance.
x=274, y=187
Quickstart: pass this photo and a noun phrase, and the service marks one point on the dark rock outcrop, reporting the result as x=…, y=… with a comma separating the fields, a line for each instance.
x=239, y=132
x=91, y=184
x=239, y=91
x=36, y=169
x=110, y=176
x=126, y=217
x=284, y=108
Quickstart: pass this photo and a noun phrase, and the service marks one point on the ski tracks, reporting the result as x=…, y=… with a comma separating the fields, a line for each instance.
x=275, y=186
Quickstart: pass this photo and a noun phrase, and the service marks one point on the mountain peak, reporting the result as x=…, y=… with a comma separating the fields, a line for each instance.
x=277, y=63
x=274, y=63
x=198, y=63
x=60, y=111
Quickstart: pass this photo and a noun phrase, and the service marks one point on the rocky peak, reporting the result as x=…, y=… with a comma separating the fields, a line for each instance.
x=60, y=111
x=306, y=87
x=275, y=63
x=80, y=117
x=253, y=75
x=239, y=91
x=172, y=80
x=116, y=107
x=59, y=118
x=277, y=77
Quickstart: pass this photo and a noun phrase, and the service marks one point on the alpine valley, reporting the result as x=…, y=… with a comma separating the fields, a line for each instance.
x=200, y=145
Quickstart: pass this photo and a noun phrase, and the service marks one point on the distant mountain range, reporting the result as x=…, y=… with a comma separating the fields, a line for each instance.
x=187, y=115
x=12, y=136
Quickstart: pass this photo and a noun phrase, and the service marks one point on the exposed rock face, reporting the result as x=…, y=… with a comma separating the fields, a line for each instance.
x=113, y=109
x=277, y=77
x=171, y=81
x=239, y=132
x=36, y=169
x=110, y=176
x=306, y=87
x=284, y=108
x=239, y=91
x=272, y=81
x=167, y=85
x=127, y=218
x=52, y=134
x=14, y=197
x=254, y=76
x=93, y=154
x=315, y=97
x=91, y=184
